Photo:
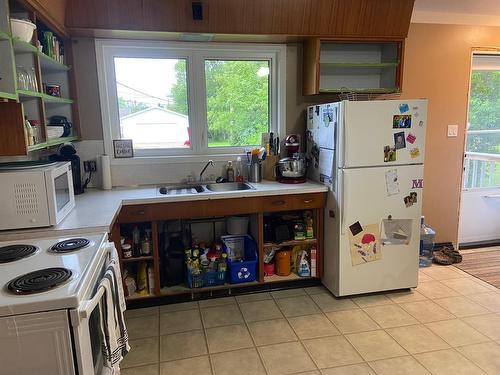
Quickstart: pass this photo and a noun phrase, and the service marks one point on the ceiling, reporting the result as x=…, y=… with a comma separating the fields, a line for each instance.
x=462, y=12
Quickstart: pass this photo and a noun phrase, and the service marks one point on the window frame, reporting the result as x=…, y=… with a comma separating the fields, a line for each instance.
x=195, y=55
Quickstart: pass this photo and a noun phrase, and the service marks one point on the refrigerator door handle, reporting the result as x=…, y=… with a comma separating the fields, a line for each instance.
x=342, y=200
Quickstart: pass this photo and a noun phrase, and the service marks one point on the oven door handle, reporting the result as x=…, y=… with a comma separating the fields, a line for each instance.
x=88, y=306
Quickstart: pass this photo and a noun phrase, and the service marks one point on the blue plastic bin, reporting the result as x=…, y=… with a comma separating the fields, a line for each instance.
x=241, y=271
x=205, y=278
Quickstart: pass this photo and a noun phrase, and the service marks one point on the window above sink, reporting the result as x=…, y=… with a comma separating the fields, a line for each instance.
x=188, y=100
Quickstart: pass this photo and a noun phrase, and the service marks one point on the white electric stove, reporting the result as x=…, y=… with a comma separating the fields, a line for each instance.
x=49, y=307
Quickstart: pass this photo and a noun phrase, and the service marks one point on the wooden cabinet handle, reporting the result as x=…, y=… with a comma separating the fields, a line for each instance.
x=279, y=203
x=142, y=212
x=308, y=200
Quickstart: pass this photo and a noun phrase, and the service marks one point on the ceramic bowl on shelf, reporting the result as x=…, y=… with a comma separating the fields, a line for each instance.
x=22, y=29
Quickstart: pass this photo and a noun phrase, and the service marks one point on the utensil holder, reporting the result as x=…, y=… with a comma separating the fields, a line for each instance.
x=254, y=172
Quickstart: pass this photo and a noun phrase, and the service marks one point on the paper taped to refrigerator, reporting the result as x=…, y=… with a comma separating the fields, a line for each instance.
x=391, y=182
x=364, y=245
x=396, y=231
x=326, y=162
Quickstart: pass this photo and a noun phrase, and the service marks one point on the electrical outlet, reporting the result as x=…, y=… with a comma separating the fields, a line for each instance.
x=90, y=166
x=452, y=131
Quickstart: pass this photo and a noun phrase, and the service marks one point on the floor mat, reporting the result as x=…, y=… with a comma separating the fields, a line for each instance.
x=482, y=263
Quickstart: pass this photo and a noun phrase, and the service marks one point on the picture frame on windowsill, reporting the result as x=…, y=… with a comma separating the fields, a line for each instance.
x=123, y=148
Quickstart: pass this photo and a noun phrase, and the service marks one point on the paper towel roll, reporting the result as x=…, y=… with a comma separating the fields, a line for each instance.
x=105, y=172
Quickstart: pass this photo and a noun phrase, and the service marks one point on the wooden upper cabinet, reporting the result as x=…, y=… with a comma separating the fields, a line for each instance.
x=326, y=18
x=352, y=66
x=13, y=140
x=52, y=12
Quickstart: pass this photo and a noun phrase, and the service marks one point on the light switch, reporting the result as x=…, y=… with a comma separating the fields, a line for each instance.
x=452, y=131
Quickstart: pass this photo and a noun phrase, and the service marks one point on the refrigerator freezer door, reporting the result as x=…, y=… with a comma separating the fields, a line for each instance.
x=375, y=204
x=371, y=126
x=322, y=123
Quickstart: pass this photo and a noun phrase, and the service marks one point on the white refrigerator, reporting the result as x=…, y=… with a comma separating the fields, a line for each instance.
x=370, y=154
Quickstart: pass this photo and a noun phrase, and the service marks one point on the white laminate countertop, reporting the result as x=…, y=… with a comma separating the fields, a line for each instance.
x=96, y=210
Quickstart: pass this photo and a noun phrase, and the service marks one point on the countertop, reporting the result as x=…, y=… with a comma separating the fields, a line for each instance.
x=96, y=210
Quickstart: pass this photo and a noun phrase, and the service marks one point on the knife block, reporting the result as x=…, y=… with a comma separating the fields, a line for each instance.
x=270, y=167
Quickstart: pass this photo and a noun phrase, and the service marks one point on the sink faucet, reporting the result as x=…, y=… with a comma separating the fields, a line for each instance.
x=210, y=162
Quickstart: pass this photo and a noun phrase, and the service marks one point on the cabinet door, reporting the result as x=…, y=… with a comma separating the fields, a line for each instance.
x=13, y=140
x=36, y=344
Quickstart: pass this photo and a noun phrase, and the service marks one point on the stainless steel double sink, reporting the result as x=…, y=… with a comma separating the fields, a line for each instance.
x=198, y=188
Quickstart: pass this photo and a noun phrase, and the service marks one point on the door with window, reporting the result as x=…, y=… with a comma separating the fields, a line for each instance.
x=480, y=201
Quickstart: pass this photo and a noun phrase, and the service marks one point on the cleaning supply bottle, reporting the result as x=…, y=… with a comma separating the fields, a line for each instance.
x=427, y=236
x=30, y=137
x=230, y=171
x=136, y=241
x=239, y=170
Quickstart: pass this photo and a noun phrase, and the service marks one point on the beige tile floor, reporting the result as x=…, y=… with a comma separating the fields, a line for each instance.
x=450, y=324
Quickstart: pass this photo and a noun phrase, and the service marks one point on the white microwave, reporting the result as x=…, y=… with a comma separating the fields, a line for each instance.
x=35, y=194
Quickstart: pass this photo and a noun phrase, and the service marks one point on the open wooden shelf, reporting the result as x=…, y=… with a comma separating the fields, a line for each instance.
x=308, y=241
x=359, y=65
x=137, y=259
x=381, y=90
x=291, y=277
x=156, y=216
x=183, y=289
x=137, y=296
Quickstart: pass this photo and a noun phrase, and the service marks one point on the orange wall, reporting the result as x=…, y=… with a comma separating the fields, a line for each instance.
x=437, y=67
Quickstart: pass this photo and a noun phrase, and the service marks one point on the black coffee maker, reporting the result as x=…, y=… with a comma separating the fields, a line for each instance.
x=67, y=152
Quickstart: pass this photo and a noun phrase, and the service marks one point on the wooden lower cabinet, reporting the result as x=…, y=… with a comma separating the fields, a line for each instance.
x=156, y=218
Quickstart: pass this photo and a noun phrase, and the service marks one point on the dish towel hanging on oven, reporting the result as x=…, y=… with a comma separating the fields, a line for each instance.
x=115, y=344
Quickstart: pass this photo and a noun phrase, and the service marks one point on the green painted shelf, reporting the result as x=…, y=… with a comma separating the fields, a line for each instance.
x=48, y=99
x=26, y=95
x=381, y=90
x=8, y=95
x=23, y=47
x=359, y=65
x=47, y=63
x=51, y=142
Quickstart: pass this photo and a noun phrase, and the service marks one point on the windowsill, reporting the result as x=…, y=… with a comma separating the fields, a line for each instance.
x=176, y=159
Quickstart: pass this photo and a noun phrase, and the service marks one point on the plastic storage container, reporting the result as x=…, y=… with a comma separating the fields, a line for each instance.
x=427, y=238
x=244, y=248
x=205, y=278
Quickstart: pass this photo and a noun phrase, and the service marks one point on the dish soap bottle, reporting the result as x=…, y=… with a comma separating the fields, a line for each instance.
x=230, y=171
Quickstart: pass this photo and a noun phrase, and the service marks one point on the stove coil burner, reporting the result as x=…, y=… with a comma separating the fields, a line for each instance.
x=12, y=253
x=70, y=245
x=39, y=281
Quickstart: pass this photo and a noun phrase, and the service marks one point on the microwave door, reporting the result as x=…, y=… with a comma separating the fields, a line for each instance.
x=61, y=199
